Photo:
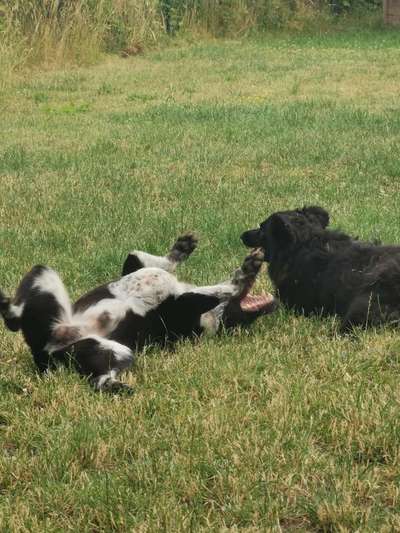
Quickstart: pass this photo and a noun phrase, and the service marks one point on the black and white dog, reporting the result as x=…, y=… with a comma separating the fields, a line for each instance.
x=99, y=334
x=319, y=270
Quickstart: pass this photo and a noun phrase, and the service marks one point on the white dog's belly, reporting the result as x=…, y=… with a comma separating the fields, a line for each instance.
x=146, y=289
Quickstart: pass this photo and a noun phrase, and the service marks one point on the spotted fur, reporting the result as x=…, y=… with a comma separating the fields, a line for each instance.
x=101, y=332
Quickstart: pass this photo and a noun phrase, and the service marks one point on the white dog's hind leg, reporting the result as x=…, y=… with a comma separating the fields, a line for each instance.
x=211, y=321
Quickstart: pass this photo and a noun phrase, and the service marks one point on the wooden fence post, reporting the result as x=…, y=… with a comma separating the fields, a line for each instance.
x=391, y=11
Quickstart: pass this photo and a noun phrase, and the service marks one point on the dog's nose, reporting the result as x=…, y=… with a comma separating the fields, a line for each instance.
x=250, y=238
x=243, y=238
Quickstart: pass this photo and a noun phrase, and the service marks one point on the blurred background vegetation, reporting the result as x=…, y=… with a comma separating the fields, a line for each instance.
x=54, y=32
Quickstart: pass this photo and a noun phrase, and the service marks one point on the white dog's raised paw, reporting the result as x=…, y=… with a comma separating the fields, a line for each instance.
x=183, y=247
x=253, y=262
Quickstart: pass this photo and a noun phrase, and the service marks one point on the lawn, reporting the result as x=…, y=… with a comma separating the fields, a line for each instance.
x=284, y=427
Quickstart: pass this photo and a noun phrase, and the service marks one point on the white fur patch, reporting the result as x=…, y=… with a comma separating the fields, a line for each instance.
x=49, y=281
x=101, y=380
x=146, y=289
x=211, y=320
x=122, y=353
x=154, y=261
x=223, y=291
x=15, y=311
x=100, y=318
x=209, y=323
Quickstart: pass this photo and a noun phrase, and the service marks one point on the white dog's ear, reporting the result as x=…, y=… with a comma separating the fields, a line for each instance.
x=317, y=213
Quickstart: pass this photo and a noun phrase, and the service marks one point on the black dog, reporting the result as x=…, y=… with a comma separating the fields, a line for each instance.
x=99, y=334
x=317, y=270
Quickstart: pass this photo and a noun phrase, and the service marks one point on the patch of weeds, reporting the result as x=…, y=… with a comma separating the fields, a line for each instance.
x=7, y=385
x=66, y=82
x=40, y=98
x=13, y=158
x=140, y=97
x=71, y=108
x=3, y=420
x=105, y=89
x=294, y=91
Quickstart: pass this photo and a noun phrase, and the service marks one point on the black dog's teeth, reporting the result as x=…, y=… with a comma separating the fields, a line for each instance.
x=183, y=247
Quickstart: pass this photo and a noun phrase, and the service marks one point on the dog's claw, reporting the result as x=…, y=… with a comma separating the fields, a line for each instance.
x=183, y=247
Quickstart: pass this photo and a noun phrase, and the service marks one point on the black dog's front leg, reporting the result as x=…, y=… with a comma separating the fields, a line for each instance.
x=369, y=310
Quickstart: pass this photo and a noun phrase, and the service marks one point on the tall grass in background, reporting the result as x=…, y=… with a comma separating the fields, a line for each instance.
x=51, y=32
x=57, y=32
x=238, y=17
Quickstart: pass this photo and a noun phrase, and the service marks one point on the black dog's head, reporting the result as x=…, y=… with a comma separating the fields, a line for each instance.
x=285, y=228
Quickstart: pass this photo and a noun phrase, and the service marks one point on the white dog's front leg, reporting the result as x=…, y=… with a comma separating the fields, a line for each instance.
x=180, y=251
x=241, y=280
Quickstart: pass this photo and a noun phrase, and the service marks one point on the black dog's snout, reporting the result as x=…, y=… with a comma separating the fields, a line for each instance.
x=251, y=238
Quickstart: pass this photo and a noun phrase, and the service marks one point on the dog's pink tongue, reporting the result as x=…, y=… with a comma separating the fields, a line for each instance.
x=256, y=302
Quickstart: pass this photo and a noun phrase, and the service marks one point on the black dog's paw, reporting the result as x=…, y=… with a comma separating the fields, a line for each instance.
x=183, y=247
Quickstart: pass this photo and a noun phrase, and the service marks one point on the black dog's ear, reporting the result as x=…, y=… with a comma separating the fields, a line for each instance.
x=317, y=213
x=281, y=229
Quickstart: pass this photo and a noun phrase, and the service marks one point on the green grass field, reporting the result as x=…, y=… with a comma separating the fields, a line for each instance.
x=285, y=427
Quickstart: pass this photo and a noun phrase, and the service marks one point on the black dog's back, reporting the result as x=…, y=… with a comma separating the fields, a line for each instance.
x=317, y=270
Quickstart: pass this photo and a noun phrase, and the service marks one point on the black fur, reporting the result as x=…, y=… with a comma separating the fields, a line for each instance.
x=92, y=297
x=318, y=270
x=175, y=318
x=131, y=264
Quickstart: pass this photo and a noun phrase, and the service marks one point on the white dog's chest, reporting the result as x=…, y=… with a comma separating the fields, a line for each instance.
x=145, y=289
x=139, y=292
